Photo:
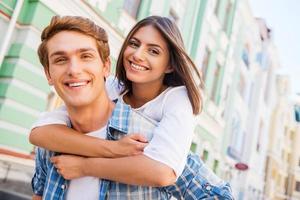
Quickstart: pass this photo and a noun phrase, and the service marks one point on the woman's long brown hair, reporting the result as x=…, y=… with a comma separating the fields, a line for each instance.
x=184, y=70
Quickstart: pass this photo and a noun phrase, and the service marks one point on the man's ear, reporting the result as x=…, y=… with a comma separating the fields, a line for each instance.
x=50, y=81
x=107, y=67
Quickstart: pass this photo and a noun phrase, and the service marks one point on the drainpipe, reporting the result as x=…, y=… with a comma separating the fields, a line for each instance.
x=10, y=29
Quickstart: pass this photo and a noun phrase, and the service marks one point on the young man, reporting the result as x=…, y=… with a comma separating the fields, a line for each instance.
x=75, y=55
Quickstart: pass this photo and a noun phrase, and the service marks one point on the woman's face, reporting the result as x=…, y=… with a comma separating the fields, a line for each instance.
x=146, y=57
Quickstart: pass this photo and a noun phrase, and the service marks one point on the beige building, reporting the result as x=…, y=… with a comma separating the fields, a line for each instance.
x=279, y=154
x=293, y=191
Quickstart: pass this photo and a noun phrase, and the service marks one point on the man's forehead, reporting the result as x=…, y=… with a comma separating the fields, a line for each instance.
x=79, y=50
x=70, y=41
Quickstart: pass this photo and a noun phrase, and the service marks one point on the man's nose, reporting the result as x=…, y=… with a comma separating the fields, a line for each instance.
x=74, y=67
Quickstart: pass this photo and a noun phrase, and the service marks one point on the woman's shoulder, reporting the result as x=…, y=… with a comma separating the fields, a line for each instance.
x=175, y=93
x=177, y=96
x=176, y=106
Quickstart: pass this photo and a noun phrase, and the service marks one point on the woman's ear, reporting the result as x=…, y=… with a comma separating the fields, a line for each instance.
x=169, y=70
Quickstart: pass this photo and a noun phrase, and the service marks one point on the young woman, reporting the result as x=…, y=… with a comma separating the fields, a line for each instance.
x=159, y=81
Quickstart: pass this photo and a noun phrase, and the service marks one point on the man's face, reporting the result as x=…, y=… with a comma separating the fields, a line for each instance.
x=76, y=69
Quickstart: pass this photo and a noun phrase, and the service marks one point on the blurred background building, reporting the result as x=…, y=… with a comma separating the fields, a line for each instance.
x=248, y=132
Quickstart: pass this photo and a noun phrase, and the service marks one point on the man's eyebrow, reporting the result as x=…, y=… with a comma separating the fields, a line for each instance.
x=86, y=49
x=59, y=53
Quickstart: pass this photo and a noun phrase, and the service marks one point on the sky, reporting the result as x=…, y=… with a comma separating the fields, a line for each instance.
x=282, y=17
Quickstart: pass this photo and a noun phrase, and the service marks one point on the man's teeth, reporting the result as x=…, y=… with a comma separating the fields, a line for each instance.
x=138, y=67
x=77, y=84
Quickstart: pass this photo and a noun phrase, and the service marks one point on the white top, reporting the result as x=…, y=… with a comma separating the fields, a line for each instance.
x=171, y=138
x=86, y=187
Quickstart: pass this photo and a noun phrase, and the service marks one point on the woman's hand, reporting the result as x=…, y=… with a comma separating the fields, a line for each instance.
x=129, y=145
x=69, y=166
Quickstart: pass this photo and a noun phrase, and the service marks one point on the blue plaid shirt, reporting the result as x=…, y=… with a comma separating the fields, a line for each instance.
x=196, y=182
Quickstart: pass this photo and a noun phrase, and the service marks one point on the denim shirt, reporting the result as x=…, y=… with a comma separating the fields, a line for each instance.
x=196, y=182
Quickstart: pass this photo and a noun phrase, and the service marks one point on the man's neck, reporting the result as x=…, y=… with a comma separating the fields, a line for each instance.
x=92, y=117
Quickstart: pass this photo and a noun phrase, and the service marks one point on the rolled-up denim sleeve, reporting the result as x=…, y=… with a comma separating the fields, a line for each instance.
x=206, y=183
x=40, y=173
x=198, y=181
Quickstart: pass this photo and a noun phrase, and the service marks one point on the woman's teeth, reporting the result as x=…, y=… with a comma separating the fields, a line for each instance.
x=138, y=67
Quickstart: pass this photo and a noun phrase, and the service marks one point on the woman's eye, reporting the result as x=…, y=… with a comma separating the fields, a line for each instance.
x=133, y=43
x=154, y=51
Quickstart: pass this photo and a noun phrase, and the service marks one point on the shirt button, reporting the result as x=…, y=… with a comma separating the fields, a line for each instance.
x=208, y=187
x=63, y=186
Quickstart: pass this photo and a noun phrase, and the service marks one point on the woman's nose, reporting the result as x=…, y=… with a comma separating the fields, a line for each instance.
x=139, y=54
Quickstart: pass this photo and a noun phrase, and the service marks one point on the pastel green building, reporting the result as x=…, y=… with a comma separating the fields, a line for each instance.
x=25, y=92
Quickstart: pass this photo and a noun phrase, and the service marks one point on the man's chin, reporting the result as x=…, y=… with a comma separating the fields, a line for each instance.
x=77, y=103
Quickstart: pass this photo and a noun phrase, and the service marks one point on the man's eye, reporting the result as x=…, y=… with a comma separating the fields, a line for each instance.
x=87, y=56
x=60, y=60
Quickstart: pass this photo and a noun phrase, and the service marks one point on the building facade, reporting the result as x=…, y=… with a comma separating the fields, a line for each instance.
x=244, y=118
x=25, y=92
x=280, y=143
x=293, y=192
x=250, y=82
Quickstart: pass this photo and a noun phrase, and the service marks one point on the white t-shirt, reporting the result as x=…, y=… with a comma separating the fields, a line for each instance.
x=86, y=187
x=173, y=135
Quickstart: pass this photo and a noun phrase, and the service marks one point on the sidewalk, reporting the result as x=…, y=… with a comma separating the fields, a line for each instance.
x=15, y=177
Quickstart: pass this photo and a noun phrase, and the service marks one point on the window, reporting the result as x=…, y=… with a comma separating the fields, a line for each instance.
x=286, y=185
x=237, y=138
x=297, y=113
x=193, y=147
x=204, y=156
x=260, y=133
x=215, y=83
x=245, y=57
x=297, y=188
x=217, y=6
x=215, y=166
x=267, y=95
x=242, y=85
x=289, y=158
x=132, y=7
x=282, y=154
x=205, y=63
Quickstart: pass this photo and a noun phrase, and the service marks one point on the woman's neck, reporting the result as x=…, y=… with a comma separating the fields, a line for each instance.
x=141, y=94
